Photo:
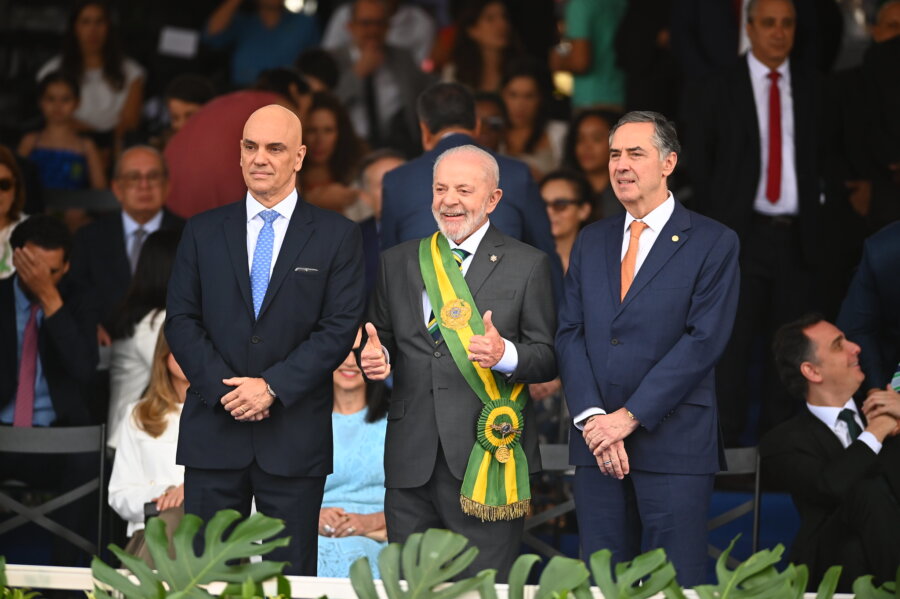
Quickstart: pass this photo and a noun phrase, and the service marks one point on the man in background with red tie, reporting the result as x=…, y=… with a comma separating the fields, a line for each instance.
x=751, y=146
x=48, y=352
x=649, y=301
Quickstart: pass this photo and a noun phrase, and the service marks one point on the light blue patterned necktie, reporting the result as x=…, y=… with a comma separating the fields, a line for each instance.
x=262, y=259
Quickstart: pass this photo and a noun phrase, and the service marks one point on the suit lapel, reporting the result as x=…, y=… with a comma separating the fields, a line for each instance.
x=486, y=258
x=613, y=251
x=8, y=332
x=299, y=231
x=823, y=435
x=663, y=249
x=119, y=249
x=415, y=288
x=235, y=229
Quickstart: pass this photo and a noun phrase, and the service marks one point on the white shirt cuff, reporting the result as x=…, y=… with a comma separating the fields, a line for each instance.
x=580, y=418
x=387, y=354
x=509, y=361
x=870, y=440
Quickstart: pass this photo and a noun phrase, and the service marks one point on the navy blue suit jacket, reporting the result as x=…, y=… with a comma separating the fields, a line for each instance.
x=306, y=326
x=521, y=214
x=870, y=314
x=654, y=352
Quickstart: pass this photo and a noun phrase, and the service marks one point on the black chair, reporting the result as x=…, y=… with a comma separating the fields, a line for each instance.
x=48, y=441
x=555, y=460
x=742, y=461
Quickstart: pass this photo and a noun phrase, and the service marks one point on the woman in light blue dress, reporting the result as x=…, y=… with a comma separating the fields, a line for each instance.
x=351, y=522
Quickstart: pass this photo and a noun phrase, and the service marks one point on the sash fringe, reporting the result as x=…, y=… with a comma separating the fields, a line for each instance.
x=492, y=513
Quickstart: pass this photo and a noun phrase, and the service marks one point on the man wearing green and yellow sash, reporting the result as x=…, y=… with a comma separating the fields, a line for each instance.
x=465, y=320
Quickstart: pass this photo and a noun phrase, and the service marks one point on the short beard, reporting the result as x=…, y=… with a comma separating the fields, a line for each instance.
x=464, y=229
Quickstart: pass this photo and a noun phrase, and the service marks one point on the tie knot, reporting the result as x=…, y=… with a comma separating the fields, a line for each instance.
x=774, y=76
x=269, y=216
x=460, y=254
x=637, y=227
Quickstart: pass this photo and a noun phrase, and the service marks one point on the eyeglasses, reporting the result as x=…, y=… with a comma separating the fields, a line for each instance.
x=134, y=179
x=7, y=183
x=560, y=204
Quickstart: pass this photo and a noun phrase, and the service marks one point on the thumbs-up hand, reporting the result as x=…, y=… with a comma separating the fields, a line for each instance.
x=372, y=359
x=487, y=349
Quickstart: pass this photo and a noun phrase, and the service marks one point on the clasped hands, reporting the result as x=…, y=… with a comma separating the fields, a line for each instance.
x=883, y=402
x=335, y=522
x=249, y=401
x=605, y=436
x=486, y=350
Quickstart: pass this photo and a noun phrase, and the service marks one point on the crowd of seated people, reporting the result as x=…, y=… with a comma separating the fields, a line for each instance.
x=801, y=159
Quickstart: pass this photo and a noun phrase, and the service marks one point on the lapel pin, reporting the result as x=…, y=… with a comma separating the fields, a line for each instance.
x=493, y=257
x=675, y=238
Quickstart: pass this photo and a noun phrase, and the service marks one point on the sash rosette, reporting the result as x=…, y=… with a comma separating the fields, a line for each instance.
x=495, y=485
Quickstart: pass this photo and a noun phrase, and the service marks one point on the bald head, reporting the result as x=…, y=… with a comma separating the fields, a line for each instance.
x=272, y=153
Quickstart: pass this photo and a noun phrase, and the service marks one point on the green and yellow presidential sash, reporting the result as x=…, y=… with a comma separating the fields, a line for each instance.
x=495, y=486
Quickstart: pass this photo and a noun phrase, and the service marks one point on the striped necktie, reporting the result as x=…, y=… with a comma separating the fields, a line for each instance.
x=460, y=256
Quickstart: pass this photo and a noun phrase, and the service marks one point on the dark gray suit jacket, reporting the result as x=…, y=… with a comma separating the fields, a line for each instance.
x=431, y=402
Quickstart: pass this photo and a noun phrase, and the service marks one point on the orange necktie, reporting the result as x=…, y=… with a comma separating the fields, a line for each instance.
x=637, y=227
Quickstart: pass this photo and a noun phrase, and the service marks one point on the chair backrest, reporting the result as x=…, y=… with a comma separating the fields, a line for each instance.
x=57, y=440
x=50, y=440
x=740, y=461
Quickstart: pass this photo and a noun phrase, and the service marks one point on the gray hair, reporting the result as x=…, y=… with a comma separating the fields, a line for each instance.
x=751, y=8
x=664, y=137
x=117, y=170
x=491, y=168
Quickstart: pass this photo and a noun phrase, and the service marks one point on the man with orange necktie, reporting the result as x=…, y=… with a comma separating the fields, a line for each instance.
x=649, y=302
x=752, y=150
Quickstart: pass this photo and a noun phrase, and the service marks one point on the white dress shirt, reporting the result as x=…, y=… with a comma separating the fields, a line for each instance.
x=510, y=358
x=787, y=203
x=285, y=208
x=143, y=469
x=655, y=220
x=130, y=227
x=388, y=99
x=829, y=416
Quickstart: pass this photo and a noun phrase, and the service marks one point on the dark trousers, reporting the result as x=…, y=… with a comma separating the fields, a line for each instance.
x=436, y=505
x=296, y=500
x=644, y=511
x=775, y=289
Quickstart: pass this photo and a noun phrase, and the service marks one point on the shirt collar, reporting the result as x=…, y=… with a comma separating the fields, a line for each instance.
x=759, y=71
x=130, y=225
x=472, y=241
x=829, y=414
x=285, y=207
x=657, y=218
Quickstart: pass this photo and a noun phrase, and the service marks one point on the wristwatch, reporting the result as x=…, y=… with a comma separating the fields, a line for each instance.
x=271, y=391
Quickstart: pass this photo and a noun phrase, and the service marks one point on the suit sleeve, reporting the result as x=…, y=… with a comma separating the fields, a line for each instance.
x=339, y=319
x=861, y=319
x=71, y=332
x=537, y=323
x=574, y=365
x=706, y=332
x=190, y=343
x=380, y=311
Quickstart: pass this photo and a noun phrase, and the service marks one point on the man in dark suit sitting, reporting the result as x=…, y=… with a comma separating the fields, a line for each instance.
x=842, y=467
x=106, y=251
x=447, y=120
x=49, y=353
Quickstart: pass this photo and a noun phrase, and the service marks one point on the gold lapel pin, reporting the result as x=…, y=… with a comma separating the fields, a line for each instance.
x=493, y=257
x=675, y=238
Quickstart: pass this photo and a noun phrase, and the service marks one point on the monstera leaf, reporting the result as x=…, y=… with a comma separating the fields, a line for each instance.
x=756, y=578
x=561, y=576
x=866, y=589
x=646, y=575
x=179, y=577
x=427, y=560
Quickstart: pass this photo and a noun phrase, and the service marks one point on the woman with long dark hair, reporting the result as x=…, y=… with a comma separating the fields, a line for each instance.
x=136, y=326
x=112, y=85
x=587, y=151
x=333, y=152
x=485, y=44
x=530, y=134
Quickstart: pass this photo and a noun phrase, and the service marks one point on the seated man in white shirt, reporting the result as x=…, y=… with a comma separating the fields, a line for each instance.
x=840, y=463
